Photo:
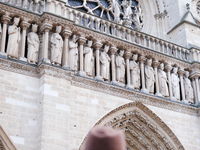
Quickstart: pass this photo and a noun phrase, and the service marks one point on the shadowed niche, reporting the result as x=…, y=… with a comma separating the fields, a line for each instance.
x=143, y=128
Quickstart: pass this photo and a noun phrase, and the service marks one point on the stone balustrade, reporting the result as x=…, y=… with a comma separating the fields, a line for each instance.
x=58, y=45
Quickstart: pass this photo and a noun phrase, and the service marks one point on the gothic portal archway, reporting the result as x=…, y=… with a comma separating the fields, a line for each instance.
x=143, y=129
x=5, y=142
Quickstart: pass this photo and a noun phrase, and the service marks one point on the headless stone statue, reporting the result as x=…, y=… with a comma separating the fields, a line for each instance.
x=33, y=45
x=105, y=63
x=149, y=75
x=175, y=84
x=89, y=59
x=56, y=47
x=120, y=64
x=73, y=53
x=162, y=80
x=14, y=39
x=135, y=72
x=189, y=92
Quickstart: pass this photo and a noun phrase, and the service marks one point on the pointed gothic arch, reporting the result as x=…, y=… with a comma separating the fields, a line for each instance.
x=5, y=142
x=143, y=128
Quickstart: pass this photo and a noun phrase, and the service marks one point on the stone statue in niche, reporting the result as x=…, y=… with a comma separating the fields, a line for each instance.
x=89, y=59
x=105, y=63
x=127, y=9
x=14, y=39
x=115, y=7
x=73, y=53
x=189, y=92
x=149, y=75
x=175, y=84
x=162, y=80
x=120, y=64
x=33, y=45
x=56, y=47
x=135, y=72
x=137, y=16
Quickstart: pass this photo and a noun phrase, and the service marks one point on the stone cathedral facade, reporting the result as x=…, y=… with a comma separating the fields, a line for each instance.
x=68, y=65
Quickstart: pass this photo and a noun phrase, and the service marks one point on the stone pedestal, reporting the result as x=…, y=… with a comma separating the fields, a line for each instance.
x=23, y=59
x=99, y=78
x=82, y=73
x=2, y=54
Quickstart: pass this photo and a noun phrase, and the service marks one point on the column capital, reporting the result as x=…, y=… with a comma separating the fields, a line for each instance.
x=25, y=25
x=113, y=50
x=156, y=64
x=46, y=25
x=181, y=72
x=195, y=75
x=142, y=59
x=82, y=40
x=66, y=33
x=128, y=55
x=97, y=45
x=5, y=19
x=168, y=67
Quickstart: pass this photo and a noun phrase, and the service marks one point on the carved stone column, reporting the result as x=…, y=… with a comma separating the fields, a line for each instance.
x=197, y=88
x=142, y=59
x=113, y=50
x=168, y=68
x=155, y=65
x=5, y=19
x=45, y=28
x=81, y=41
x=97, y=47
x=128, y=56
x=24, y=25
x=133, y=36
x=195, y=91
x=65, y=57
x=181, y=72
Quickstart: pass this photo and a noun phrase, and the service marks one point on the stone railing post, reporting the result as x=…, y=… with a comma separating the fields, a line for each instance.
x=97, y=46
x=127, y=57
x=133, y=36
x=195, y=91
x=24, y=25
x=168, y=68
x=81, y=41
x=197, y=88
x=113, y=50
x=65, y=57
x=155, y=65
x=45, y=28
x=181, y=72
x=5, y=19
x=142, y=59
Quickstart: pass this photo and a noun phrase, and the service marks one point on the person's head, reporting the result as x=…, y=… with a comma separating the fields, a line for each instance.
x=16, y=21
x=74, y=37
x=58, y=29
x=106, y=48
x=161, y=66
x=34, y=27
x=187, y=74
x=175, y=70
x=121, y=53
x=135, y=57
x=89, y=43
x=149, y=62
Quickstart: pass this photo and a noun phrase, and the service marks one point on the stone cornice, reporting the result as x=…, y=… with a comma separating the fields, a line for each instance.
x=44, y=69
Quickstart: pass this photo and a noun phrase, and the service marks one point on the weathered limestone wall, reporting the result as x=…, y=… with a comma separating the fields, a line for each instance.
x=50, y=113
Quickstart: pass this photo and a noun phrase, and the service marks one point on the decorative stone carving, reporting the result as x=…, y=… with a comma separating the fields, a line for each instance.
x=120, y=65
x=149, y=76
x=33, y=45
x=189, y=92
x=175, y=84
x=56, y=47
x=115, y=7
x=105, y=63
x=127, y=9
x=162, y=79
x=137, y=17
x=89, y=58
x=135, y=72
x=14, y=39
x=73, y=53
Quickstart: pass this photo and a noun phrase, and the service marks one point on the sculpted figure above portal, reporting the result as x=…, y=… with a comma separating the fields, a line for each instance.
x=89, y=58
x=175, y=83
x=149, y=75
x=162, y=79
x=115, y=7
x=189, y=92
x=14, y=39
x=135, y=72
x=33, y=45
x=56, y=47
x=120, y=64
x=105, y=63
x=73, y=53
